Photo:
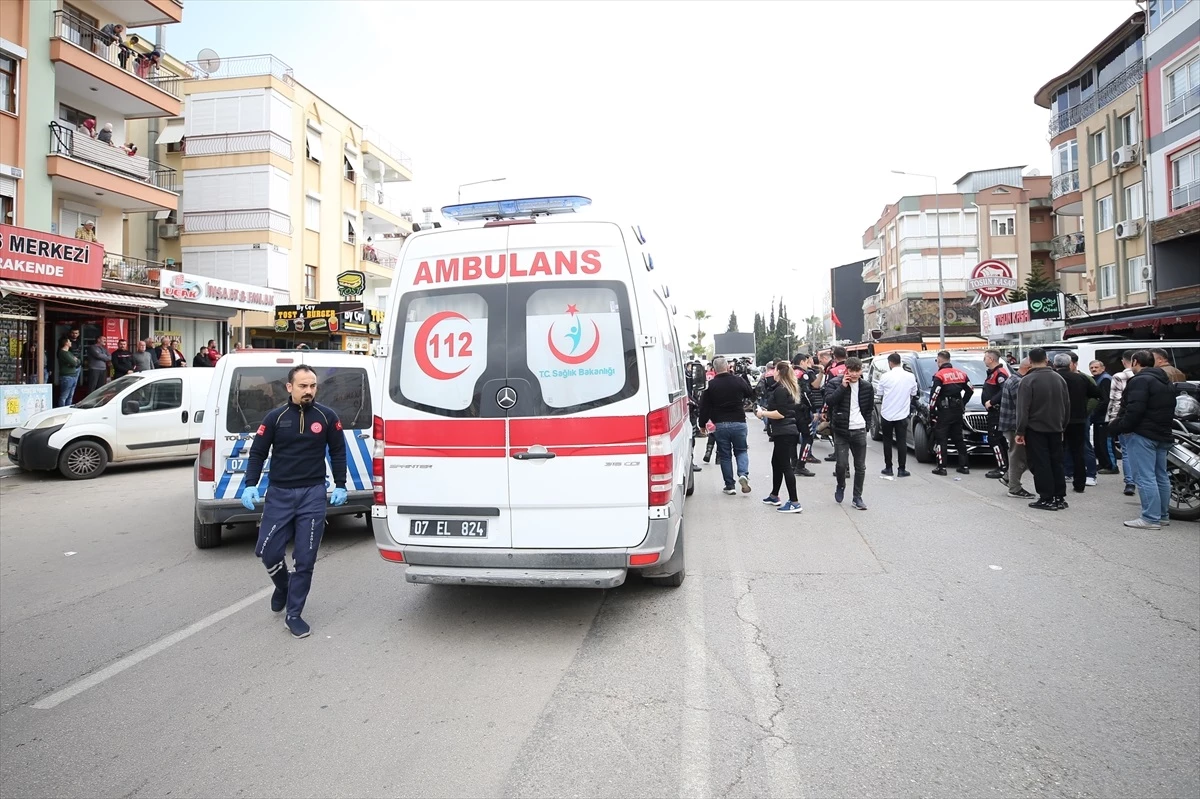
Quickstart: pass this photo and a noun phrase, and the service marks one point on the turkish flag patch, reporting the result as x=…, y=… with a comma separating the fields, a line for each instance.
x=337, y=425
x=262, y=428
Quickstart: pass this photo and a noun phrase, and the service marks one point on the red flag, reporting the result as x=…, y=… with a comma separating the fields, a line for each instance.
x=833, y=315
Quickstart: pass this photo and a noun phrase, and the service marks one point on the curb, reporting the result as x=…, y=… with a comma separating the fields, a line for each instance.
x=9, y=471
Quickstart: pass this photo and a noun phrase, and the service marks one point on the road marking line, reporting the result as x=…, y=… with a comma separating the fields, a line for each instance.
x=694, y=766
x=129, y=661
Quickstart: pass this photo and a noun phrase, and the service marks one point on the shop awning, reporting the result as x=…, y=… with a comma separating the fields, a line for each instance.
x=172, y=134
x=77, y=295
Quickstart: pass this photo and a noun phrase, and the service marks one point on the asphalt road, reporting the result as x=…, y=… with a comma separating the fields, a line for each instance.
x=947, y=642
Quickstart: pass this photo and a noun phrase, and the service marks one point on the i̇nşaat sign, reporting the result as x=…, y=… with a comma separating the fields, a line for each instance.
x=38, y=257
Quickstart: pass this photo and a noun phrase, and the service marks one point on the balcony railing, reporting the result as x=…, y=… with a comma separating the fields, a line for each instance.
x=1064, y=120
x=374, y=138
x=1183, y=105
x=373, y=193
x=1065, y=183
x=1185, y=196
x=1066, y=245
x=225, y=143
x=870, y=303
x=240, y=219
x=125, y=269
x=931, y=242
x=870, y=270
x=71, y=29
x=79, y=146
x=245, y=66
x=374, y=256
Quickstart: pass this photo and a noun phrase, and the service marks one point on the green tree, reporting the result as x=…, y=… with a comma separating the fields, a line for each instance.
x=732, y=328
x=1033, y=284
x=696, y=344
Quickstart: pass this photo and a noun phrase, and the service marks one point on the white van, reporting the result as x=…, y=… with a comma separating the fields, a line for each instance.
x=141, y=417
x=1184, y=355
x=534, y=427
x=248, y=383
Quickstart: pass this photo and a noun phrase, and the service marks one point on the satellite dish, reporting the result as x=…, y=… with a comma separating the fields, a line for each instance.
x=1033, y=173
x=208, y=60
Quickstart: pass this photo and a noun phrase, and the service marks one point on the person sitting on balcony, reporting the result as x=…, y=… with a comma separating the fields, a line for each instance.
x=106, y=135
x=86, y=231
x=369, y=252
x=130, y=149
x=89, y=127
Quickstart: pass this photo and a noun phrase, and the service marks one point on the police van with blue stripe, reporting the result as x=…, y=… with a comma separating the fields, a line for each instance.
x=248, y=384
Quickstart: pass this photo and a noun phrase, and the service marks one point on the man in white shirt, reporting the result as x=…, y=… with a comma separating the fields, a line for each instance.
x=896, y=390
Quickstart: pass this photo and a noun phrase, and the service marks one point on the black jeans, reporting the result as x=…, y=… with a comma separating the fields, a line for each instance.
x=1045, y=453
x=899, y=428
x=949, y=428
x=996, y=439
x=845, y=444
x=803, y=443
x=781, y=466
x=1102, y=444
x=1074, y=438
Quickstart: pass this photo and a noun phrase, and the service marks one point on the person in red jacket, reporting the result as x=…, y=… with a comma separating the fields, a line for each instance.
x=213, y=354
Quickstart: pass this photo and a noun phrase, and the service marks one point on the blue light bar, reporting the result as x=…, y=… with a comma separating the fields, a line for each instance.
x=501, y=209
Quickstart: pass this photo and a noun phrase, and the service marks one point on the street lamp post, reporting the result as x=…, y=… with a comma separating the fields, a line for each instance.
x=461, y=186
x=941, y=288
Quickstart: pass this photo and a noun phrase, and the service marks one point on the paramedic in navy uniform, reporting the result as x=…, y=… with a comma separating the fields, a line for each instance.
x=296, y=436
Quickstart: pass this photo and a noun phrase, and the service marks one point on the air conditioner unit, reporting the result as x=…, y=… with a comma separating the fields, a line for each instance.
x=1124, y=156
x=12, y=172
x=1147, y=273
x=1128, y=229
x=168, y=231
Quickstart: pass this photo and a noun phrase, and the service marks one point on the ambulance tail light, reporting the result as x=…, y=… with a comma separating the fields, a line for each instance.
x=205, y=461
x=661, y=460
x=377, y=462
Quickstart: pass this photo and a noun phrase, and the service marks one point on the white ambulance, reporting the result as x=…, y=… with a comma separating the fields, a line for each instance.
x=246, y=385
x=533, y=426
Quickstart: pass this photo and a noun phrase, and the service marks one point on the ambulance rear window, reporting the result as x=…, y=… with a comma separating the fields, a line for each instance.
x=255, y=390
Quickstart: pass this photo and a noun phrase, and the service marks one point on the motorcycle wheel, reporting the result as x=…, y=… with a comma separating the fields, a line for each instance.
x=1184, y=505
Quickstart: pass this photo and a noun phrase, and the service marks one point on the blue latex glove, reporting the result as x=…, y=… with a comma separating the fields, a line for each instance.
x=339, y=497
x=249, y=497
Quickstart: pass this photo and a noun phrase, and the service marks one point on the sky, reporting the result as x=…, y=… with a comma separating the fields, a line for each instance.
x=752, y=141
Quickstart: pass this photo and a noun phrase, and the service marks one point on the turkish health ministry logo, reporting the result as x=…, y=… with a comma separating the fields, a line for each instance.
x=573, y=340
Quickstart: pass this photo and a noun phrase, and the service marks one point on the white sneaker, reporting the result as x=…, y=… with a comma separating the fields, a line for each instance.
x=1091, y=481
x=1142, y=524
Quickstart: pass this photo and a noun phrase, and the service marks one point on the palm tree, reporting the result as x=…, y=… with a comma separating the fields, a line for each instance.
x=697, y=343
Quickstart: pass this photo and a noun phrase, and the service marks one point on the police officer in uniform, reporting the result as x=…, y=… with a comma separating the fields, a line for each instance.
x=950, y=395
x=997, y=375
x=296, y=436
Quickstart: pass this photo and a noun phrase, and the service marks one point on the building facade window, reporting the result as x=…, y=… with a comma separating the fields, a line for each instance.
x=1066, y=157
x=1106, y=282
x=8, y=84
x=312, y=213
x=1133, y=201
x=313, y=149
x=1099, y=147
x=1161, y=9
x=1134, y=284
x=1185, y=180
x=891, y=235
x=310, y=282
x=1182, y=94
x=1004, y=225
x=1104, y=214
x=1129, y=129
x=351, y=229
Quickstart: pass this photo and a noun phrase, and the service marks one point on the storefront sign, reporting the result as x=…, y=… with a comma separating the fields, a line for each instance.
x=18, y=403
x=1012, y=319
x=1045, y=305
x=321, y=317
x=376, y=323
x=991, y=281
x=182, y=287
x=115, y=329
x=351, y=284
x=38, y=257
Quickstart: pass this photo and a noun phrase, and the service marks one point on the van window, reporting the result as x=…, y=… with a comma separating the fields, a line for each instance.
x=162, y=395
x=673, y=363
x=104, y=394
x=1187, y=360
x=254, y=390
x=578, y=343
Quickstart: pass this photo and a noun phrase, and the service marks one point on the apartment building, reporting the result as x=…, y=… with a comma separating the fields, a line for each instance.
x=1173, y=155
x=995, y=226
x=282, y=190
x=1098, y=190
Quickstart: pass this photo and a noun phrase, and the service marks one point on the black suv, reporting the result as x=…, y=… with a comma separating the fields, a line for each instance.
x=920, y=433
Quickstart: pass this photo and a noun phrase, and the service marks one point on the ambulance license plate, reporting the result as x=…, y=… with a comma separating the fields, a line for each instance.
x=448, y=528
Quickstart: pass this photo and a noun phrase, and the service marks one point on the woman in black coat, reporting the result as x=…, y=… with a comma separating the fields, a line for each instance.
x=780, y=414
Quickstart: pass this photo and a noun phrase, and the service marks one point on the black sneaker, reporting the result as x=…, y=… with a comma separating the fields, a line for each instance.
x=297, y=627
x=707, y=459
x=858, y=504
x=963, y=470
x=1060, y=503
x=886, y=471
x=803, y=472
x=1130, y=490
x=811, y=459
x=696, y=468
x=904, y=473
x=839, y=494
x=831, y=458
x=1021, y=494
x=994, y=474
x=1043, y=504
x=939, y=471
x=1108, y=471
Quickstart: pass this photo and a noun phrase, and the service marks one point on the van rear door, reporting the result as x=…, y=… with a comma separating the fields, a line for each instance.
x=577, y=460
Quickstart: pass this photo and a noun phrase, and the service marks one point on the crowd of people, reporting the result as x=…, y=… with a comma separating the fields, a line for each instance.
x=1047, y=419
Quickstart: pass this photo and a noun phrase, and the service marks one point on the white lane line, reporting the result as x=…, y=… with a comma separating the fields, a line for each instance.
x=129, y=661
x=694, y=766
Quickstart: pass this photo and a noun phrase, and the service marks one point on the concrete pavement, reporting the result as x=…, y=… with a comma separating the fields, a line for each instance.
x=947, y=642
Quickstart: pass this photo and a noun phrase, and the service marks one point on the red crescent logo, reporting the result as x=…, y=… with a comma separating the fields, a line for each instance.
x=421, y=345
x=573, y=359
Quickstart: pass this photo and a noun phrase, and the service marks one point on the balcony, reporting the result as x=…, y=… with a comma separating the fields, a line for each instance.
x=1182, y=105
x=235, y=220
x=1068, y=252
x=381, y=212
x=871, y=304
x=377, y=262
x=910, y=243
x=383, y=160
x=87, y=167
x=1064, y=194
x=134, y=271
x=870, y=271
x=1185, y=196
x=227, y=143
x=142, y=13
x=246, y=66
x=1108, y=93
x=113, y=76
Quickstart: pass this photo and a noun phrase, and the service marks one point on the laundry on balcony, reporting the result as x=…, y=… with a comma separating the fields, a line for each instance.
x=121, y=159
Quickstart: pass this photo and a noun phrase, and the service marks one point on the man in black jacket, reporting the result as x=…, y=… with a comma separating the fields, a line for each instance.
x=122, y=360
x=1147, y=411
x=1043, y=407
x=1079, y=390
x=724, y=403
x=851, y=402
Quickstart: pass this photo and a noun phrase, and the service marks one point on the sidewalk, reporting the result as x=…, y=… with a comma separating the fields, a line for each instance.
x=6, y=467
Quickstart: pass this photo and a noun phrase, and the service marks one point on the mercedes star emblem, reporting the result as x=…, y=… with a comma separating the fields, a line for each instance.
x=506, y=397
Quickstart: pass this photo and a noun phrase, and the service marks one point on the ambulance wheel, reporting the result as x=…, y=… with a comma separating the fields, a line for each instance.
x=207, y=536
x=673, y=580
x=691, y=480
x=83, y=460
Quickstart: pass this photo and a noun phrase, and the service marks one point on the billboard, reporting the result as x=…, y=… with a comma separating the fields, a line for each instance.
x=733, y=344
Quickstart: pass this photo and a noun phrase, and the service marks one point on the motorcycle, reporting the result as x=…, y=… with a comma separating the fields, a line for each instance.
x=1183, y=459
